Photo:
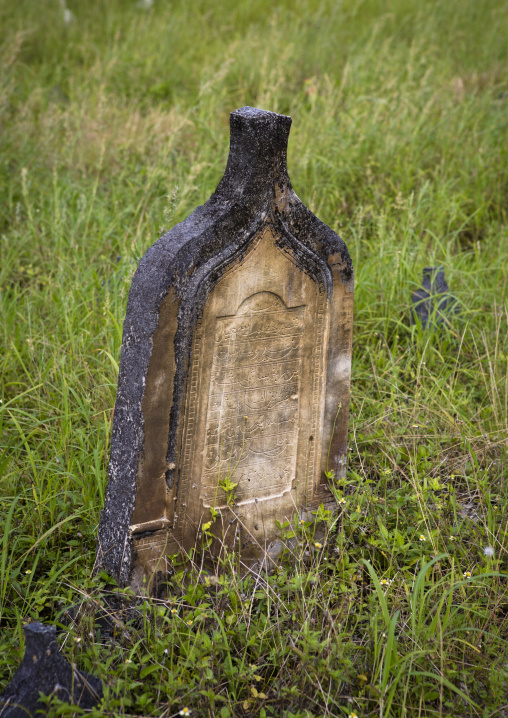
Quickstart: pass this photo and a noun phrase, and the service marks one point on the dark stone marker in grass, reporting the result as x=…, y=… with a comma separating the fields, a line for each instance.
x=432, y=302
x=236, y=357
x=45, y=670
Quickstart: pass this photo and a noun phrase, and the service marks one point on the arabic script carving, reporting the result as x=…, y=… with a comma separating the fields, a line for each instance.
x=252, y=417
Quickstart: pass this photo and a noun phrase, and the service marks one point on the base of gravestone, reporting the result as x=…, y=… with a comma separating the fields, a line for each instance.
x=216, y=555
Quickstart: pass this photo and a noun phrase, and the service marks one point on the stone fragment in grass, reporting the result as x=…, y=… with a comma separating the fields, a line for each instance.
x=45, y=670
x=432, y=302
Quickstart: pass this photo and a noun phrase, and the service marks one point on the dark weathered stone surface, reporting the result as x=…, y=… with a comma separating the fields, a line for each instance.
x=45, y=670
x=432, y=302
x=167, y=301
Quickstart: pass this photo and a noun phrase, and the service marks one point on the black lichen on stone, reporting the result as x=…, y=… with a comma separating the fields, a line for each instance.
x=45, y=670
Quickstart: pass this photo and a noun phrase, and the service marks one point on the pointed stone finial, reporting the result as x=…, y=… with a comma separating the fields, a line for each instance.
x=258, y=151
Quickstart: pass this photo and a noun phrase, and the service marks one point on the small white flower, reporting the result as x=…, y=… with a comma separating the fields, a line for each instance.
x=488, y=551
x=184, y=712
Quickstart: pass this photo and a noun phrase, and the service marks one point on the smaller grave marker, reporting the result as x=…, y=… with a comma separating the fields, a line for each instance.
x=432, y=302
x=45, y=670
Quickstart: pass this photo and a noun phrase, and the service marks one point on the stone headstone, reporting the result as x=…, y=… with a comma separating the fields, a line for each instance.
x=45, y=670
x=235, y=367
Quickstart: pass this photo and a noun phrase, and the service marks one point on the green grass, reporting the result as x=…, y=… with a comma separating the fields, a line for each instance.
x=115, y=126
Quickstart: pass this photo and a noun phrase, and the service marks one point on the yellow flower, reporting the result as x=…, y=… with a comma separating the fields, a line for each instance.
x=342, y=500
x=467, y=574
x=28, y=571
x=422, y=537
x=318, y=545
x=173, y=610
x=128, y=660
x=384, y=582
x=189, y=623
x=387, y=471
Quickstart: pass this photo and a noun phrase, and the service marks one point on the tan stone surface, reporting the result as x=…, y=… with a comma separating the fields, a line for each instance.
x=263, y=389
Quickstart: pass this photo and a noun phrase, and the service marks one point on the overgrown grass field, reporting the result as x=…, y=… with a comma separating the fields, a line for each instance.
x=113, y=127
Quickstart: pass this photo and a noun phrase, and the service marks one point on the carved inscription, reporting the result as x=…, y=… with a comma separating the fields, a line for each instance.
x=252, y=418
x=254, y=402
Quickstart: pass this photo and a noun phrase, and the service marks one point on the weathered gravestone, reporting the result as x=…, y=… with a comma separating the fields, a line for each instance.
x=235, y=367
